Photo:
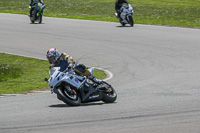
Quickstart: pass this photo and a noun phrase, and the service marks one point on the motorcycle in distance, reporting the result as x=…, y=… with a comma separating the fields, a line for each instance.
x=74, y=90
x=126, y=15
x=37, y=13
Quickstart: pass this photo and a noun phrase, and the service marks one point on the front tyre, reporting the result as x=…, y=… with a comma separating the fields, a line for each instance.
x=72, y=100
x=131, y=22
x=109, y=97
x=40, y=18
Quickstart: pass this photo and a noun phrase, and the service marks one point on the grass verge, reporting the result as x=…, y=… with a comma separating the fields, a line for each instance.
x=160, y=12
x=20, y=74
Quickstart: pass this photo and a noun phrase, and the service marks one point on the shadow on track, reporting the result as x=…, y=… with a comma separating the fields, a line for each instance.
x=37, y=23
x=83, y=104
x=123, y=26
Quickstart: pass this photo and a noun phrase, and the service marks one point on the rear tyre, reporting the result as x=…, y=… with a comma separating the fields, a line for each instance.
x=32, y=18
x=72, y=100
x=123, y=24
x=109, y=97
x=32, y=21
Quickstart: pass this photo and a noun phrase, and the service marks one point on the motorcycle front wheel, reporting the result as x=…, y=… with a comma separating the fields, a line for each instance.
x=131, y=22
x=72, y=100
x=40, y=18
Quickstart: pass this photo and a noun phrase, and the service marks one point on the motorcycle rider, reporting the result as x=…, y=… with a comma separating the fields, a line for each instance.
x=118, y=5
x=65, y=61
x=32, y=3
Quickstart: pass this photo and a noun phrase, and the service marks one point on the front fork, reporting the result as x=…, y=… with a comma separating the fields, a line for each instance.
x=127, y=17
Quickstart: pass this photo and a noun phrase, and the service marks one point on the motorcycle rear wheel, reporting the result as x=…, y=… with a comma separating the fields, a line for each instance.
x=109, y=97
x=32, y=21
x=67, y=99
x=122, y=23
x=32, y=18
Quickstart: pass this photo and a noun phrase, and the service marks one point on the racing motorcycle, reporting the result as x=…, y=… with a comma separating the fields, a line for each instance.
x=74, y=90
x=37, y=13
x=126, y=15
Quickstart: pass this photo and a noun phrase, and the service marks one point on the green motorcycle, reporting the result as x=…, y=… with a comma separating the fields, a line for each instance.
x=36, y=14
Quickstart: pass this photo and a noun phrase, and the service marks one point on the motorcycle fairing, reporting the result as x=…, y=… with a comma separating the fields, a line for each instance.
x=89, y=93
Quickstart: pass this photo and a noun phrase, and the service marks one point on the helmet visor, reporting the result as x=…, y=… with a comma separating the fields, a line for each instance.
x=51, y=59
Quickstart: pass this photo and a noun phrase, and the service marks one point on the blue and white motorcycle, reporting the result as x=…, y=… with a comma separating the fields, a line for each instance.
x=126, y=15
x=74, y=90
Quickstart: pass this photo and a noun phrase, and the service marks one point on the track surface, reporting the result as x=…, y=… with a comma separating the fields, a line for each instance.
x=155, y=72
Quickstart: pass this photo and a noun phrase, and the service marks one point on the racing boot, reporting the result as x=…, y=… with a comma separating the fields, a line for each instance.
x=94, y=79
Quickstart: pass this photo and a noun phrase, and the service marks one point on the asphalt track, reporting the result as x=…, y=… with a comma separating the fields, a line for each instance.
x=155, y=73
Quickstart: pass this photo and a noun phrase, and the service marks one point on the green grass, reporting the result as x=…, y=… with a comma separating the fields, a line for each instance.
x=9, y=72
x=160, y=12
x=20, y=74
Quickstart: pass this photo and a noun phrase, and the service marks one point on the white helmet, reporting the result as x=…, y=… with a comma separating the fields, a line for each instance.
x=52, y=55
